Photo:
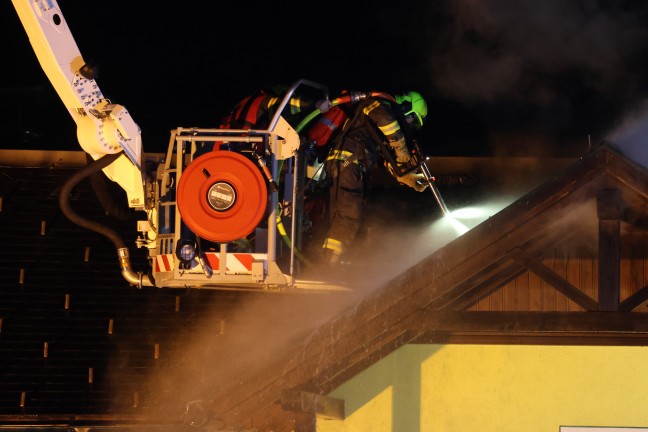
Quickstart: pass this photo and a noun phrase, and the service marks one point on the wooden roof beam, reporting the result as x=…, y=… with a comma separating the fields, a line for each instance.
x=555, y=280
x=313, y=403
x=593, y=325
x=609, y=267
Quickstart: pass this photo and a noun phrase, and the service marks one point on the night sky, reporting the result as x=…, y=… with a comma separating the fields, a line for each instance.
x=502, y=77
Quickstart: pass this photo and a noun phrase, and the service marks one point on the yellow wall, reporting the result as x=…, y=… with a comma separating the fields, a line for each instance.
x=496, y=388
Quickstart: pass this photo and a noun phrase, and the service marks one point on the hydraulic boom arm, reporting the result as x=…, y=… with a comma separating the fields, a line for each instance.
x=102, y=127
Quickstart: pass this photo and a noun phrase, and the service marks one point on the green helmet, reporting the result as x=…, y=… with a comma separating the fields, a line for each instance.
x=414, y=108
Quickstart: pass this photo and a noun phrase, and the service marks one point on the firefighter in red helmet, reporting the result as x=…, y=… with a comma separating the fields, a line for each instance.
x=256, y=110
x=376, y=134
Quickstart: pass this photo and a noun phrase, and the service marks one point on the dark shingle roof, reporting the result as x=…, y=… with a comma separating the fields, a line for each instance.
x=75, y=338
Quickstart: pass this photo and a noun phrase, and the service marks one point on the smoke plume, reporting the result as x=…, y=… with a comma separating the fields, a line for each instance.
x=542, y=73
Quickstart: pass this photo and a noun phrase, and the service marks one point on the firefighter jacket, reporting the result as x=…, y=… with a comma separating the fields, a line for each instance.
x=375, y=125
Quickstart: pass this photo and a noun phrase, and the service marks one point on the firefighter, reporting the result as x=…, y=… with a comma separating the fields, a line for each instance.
x=356, y=152
x=256, y=112
x=257, y=109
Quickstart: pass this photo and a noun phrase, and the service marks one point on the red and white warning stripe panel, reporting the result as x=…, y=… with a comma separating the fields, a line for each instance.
x=164, y=263
x=237, y=263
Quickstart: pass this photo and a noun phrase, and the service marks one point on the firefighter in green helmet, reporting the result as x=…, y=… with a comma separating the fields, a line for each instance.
x=414, y=109
x=375, y=135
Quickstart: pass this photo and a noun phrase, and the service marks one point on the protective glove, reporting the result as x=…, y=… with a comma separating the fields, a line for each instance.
x=414, y=180
x=400, y=149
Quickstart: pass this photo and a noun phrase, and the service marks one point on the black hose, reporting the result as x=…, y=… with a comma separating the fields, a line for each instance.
x=137, y=279
x=111, y=197
x=64, y=201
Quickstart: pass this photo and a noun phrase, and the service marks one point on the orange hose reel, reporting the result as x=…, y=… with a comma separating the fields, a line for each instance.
x=222, y=196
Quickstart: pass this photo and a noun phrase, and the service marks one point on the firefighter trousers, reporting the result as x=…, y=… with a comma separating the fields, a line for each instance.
x=346, y=196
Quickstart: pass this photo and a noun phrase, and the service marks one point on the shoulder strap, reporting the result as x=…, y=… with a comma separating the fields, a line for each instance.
x=252, y=111
x=245, y=113
x=348, y=125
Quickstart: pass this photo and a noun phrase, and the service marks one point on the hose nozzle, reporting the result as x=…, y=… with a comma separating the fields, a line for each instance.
x=433, y=187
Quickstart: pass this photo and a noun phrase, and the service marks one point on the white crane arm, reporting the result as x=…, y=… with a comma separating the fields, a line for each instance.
x=102, y=127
